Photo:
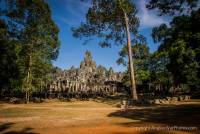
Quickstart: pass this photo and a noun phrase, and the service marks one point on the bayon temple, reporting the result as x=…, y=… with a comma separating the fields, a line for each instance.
x=89, y=80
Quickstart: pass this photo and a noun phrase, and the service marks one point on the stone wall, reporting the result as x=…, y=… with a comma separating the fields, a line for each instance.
x=87, y=81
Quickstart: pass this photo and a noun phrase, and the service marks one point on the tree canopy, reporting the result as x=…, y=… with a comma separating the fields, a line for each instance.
x=173, y=7
x=30, y=31
x=105, y=19
x=179, y=42
x=114, y=22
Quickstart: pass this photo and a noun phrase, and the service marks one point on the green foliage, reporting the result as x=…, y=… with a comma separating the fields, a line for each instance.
x=173, y=7
x=157, y=66
x=126, y=79
x=180, y=44
x=141, y=58
x=114, y=22
x=149, y=67
x=105, y=20
x=9, y=50
x=31, y=43
x=182, y=63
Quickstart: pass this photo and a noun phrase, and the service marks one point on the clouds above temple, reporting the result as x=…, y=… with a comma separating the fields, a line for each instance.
x=76, y=10
x=148, y=19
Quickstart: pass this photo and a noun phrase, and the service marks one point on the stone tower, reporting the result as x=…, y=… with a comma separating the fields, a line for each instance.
x=88, y=62
x=88, y=80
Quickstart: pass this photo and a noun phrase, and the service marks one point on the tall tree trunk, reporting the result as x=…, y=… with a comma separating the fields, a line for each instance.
x=130, y=58
x=27, y=96
x=29, y=79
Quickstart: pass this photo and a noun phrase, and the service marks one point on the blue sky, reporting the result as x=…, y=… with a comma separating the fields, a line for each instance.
x=70, y=13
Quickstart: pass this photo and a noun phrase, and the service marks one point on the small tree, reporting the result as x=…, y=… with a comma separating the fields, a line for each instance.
x=114, y=22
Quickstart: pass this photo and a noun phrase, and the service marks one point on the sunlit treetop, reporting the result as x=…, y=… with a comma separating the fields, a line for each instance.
x=105, y=19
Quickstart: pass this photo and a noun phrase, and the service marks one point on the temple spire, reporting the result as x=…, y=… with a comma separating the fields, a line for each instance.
x=88, y=61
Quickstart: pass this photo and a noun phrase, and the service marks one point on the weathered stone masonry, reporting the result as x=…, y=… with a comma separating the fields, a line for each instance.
x=86, y=81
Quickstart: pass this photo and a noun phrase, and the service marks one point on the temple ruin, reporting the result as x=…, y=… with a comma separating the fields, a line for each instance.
x=89, y=80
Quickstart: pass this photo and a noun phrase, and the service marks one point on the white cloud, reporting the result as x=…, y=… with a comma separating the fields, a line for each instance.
x=77, y=10
x=148, y=19
x=69, y=21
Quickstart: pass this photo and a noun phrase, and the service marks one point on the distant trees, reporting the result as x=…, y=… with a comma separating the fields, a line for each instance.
x=180, y=42
x=9, y=49
x=141, y=58
x=30, y=41
x=177, y=59
x=150, y=68
x=114, y=22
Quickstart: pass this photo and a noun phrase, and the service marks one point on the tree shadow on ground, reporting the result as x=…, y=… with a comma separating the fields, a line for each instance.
x=171, y=115
x=5, y=126
x=4, y=129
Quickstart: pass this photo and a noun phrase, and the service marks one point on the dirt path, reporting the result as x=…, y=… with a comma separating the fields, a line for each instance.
x=91, y=117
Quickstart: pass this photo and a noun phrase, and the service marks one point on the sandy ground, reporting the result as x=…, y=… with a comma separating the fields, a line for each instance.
x=90, y=117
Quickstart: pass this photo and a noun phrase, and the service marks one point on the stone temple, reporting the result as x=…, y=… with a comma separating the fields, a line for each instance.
x=89, y=80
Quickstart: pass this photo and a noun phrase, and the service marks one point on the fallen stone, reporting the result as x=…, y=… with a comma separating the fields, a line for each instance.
x=181, y=98
x=168, y=98
x=37, y=100
x=15, y=100
x=157, y=101
x=163, y=101
x=187, y=98
x=174, y=99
